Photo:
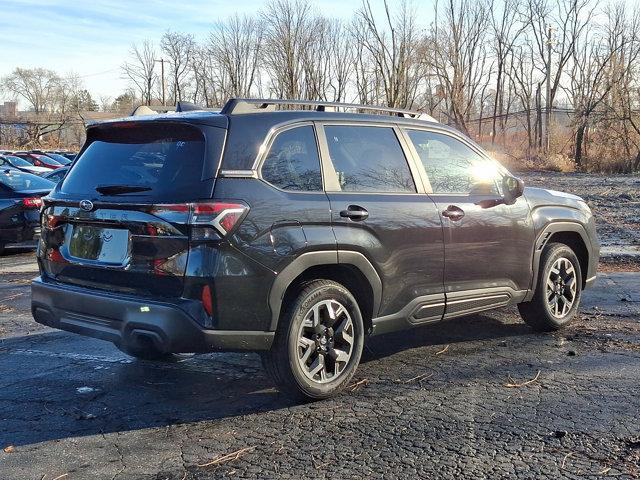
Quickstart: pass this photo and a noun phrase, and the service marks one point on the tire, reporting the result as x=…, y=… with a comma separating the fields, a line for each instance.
x=555, y=301
x=313, y=355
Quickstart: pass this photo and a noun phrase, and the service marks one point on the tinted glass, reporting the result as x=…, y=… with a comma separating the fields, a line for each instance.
x=46, y=159
x=57, y=175
x=59, y=158
x=293, y=162
x=25, y=157
x=17, y=161
x=452, y=166
x=368, y=159
x=166, y=159
x=24, y=182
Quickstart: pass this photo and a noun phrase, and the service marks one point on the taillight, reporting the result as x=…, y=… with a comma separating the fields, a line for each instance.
x=207, y=300
x=32, y=202
x=223, y=216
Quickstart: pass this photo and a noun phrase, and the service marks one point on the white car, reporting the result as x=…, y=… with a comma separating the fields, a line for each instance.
x=11, y=161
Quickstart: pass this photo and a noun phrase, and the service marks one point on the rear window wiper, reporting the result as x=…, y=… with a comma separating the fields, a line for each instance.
x=119, y=189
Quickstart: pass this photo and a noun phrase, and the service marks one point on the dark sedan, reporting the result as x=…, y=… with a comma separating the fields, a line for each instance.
x=20, y=201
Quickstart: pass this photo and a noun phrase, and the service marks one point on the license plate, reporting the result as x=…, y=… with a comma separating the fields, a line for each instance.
x=109, y=246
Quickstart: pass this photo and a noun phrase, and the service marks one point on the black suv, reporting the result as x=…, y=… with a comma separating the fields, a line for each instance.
x=293, y=229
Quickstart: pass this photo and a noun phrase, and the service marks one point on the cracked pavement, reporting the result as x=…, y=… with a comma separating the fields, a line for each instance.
x=430, y=402
x=426, y=403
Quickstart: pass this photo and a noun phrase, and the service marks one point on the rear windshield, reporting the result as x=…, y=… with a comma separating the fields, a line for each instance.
x=25, y=182
x=20, y=162
x=163, y=160
x=46, y=159
x=59, y=158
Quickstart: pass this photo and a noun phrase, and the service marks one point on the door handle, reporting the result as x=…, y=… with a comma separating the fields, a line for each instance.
x=453, y=213
x=355, y=213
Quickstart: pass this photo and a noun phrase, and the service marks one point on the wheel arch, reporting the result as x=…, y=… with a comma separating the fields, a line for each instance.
x=351, y=269
x=571, y=234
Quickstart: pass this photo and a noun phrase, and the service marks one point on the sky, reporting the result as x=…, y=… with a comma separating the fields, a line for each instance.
x=92, y=38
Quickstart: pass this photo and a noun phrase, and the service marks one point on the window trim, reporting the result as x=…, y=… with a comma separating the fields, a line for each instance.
x=265, y=148
x=332, y=176
x=456, y=136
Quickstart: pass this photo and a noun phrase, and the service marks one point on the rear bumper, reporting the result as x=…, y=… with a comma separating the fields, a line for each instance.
x=135, y=322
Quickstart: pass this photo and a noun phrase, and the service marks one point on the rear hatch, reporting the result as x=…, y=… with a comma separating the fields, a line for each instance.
x=120, y=219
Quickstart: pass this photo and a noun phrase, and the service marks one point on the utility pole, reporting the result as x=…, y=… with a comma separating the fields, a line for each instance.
x=161, y=61
x=547, y=130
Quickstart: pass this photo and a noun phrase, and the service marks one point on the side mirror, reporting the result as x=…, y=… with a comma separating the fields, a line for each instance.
x=512, y=188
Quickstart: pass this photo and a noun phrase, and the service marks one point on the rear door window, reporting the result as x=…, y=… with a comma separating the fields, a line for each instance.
x=162, y=160
x=293, y=162
x=368, y=159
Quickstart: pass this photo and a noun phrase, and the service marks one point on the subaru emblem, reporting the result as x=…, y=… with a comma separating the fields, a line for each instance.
x=86, y=205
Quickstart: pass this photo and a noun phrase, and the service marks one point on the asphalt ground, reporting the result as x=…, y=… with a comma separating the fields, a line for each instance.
x=477, y=397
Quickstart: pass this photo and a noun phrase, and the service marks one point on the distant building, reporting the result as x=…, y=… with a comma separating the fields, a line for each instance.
x=9, y=109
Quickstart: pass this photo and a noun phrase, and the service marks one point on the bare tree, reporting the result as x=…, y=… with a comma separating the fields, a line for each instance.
x=460, y=57
x=235, y=47
x=39, y=87
x=341, y=61
x=522, y=75
x=105, y=102
x=54, y=100
x=625, y=94
x=598, y=63
x=288, y=33
x=140, y=70
x=568, y=20
x=180, y=49
x=505, y=29
x=391, y=47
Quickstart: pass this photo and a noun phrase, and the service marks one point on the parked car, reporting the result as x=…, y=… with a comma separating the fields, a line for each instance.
x=20, y=202
x=39, y=160
x=11, y=161
x=70, y=155
x=61, y=159
x=297, y=234
x=56, y=175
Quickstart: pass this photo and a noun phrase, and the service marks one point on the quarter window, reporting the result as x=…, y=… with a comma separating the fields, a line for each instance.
x=368, y=159
x=293, y=162
x=453, y=167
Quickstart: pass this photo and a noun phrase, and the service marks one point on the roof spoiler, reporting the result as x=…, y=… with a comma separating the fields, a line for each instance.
x=179, y=108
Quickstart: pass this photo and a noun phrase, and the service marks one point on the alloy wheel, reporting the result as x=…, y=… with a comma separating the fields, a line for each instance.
x=325, y=341
x=561, y=287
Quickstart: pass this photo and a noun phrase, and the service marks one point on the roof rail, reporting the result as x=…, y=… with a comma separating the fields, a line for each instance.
x=257, y=105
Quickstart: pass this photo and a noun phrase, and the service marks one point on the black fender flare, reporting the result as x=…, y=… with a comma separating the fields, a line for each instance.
x=320, y=258
x=542, y=239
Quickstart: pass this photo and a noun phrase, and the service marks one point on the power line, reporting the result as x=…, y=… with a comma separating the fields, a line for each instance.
x=99, y=73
